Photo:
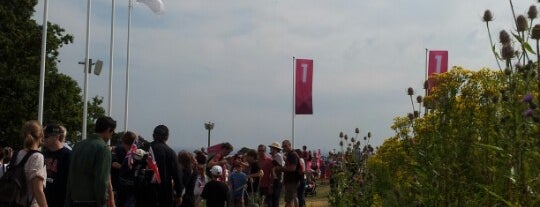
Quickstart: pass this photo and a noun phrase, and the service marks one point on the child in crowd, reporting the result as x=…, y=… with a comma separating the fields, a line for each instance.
x=216, y=193
x=237, y=182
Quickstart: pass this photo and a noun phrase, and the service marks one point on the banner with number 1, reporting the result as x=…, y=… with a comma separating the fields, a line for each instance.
x=303, y=86
x=438, y=63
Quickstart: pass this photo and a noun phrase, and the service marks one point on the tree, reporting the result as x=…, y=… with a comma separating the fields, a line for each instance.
x=20, y=43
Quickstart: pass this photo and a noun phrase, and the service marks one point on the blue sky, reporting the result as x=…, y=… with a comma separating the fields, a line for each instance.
x=230, y=62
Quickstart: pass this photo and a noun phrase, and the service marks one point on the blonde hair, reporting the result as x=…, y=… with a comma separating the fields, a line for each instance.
x=32, y=133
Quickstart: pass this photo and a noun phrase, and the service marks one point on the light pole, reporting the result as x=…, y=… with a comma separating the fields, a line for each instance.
x=208, y=126
x=88, y=69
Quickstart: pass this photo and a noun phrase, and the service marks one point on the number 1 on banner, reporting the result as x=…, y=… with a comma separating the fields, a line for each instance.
x=438, y=59
x=304, y=72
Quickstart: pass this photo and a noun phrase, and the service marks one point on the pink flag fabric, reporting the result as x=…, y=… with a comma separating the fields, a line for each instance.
x=437, y=64
x=303, y=86
x=153, y=166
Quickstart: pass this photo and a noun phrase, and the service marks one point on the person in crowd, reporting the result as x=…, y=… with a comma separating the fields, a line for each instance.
x=254, y=176
x=237, y=184
x=277, y=176
x=34, y=166
x=302, y=186
x=189, y=177
x=126, y=175
x=169, y=170
x=7, y=153
x=202, y=179
x=57, y=158
x=291, y=179
x=265, y=162
x=219, y=159
x=215, y=192
x=3, y=167
x=89, y=182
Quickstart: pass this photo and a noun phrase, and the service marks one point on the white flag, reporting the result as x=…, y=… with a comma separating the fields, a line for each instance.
x=156, y=6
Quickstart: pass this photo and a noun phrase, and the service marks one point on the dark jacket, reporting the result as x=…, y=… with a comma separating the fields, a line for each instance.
x=89, y=172
x=189, y=179
x=169, y=170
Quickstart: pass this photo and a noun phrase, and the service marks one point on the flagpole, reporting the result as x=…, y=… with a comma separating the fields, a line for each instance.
x=130, y=7
x=42, y=64
x=293, y=99
x=86, y=69
x=111, y=58
x=426, y=79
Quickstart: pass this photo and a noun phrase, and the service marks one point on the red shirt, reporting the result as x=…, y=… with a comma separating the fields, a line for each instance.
x=266, y=165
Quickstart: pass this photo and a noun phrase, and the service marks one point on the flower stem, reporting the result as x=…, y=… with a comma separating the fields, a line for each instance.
x=492, y=47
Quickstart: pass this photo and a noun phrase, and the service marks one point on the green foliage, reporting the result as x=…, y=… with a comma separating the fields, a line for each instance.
x=20, y=43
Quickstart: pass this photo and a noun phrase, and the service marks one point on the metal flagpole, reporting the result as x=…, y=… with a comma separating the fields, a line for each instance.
x=426, y=80
x=293, y=99
x=127, y=66
x=42, y=66
x=111, y=58
x=86, y=70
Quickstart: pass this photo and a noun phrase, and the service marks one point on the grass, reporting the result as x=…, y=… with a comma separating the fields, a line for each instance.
x=321, y=200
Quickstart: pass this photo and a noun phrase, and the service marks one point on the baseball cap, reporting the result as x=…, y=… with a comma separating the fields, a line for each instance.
x=53, y=130
x=216, y=170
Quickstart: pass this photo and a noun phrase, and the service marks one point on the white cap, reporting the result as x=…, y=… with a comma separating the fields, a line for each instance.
x=216, y=170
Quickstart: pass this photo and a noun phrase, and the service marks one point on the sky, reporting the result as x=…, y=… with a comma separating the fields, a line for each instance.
x=230, y=62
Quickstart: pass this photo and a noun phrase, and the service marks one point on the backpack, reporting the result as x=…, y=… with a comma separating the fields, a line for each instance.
x=13, y=183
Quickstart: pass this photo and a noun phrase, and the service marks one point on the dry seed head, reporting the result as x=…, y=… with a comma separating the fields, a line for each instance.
x=410, y=116
x=535, y=33
x=504, y=38
x=419, y=99
x=533, y=12
x=357, y=130
x=507, y=52
x=522, y=23
x=410, y=91
x=488, y=16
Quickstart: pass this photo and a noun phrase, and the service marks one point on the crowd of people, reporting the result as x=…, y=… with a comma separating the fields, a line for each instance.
x=93, y=173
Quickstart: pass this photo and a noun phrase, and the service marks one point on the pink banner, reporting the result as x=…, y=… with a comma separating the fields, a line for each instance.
x=438, y=63
x=304, y=80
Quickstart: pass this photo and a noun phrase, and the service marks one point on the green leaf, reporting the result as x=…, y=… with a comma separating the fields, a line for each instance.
x=491, y=147
x=528, y=47
x=496, y=196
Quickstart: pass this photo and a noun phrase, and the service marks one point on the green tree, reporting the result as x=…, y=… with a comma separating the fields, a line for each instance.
x=20, y=46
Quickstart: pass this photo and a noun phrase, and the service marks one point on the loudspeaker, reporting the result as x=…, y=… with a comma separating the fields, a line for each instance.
x=97, y=67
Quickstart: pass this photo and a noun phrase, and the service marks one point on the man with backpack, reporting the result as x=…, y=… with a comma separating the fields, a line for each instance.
x=57, y=164
x=90, y=168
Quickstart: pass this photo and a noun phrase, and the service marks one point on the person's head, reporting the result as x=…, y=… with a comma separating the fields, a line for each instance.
x=128, y=138
x=105, y=127
x=238, y=167
x=8, y=154
x=32, y=134
x=185, y=159
x=161, y=133
x=216, y=171
x=304, y=147
x=251, y=156
x=54, y=136
x=298, y=151
x=64, y=135
x=261, y=151
x=275, y=148
x=286, y=144
x=226, y=149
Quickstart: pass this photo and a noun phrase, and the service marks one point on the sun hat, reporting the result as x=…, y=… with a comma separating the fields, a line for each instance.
x=276, y=145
